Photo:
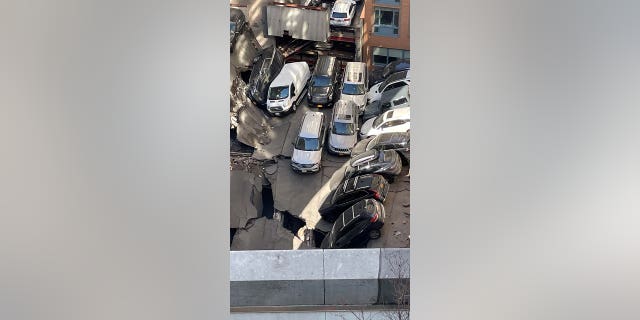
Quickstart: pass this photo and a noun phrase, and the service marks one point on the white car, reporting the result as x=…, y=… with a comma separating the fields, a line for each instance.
x=394, y=81
x=342, y=13
x=396, y=120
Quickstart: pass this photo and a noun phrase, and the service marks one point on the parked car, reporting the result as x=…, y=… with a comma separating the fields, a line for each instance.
x=307, y=152
x=266, y=66
x=343, y=133
x=396, y=120
x=342, y=13
x=384, y=162
x=356, y=226
x=391, y=99
x=325, y=75
x=367, y=186
x=237, y=23
x=355, y=82
x=395, y=66
x=398, y=141
x=285, y=92
x=395, y=80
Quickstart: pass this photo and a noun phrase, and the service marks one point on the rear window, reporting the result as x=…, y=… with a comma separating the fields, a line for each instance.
x=339, y=15
x=364, y=182
x=400, y=101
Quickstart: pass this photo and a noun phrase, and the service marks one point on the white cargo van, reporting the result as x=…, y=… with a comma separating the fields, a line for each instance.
x=355, y=83
x=286, y=90
x=307, y=148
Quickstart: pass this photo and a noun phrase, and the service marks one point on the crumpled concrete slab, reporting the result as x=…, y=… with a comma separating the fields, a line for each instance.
x=263, y=234
x=293, y=191
x=277, y=135
x=246, y=48
x=246, y=198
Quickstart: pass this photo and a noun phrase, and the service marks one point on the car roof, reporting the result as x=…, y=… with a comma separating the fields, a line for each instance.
x=311, y=124
x=357, y=183
x=363, y=157
x=286, y=75
x=344, y=112
x=354, y=72
x=392, y=137
x=325, y=64
x=341, y=5
x=400, y=113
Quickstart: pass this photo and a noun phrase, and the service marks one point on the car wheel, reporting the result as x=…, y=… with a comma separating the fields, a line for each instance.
x=294, y=107
x=374, y=234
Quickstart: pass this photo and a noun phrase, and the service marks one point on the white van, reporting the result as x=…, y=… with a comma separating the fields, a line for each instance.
x=286, y=90
x=355, y=83
x=307, y=148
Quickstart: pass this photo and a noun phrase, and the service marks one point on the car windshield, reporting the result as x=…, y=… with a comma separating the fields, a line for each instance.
x=353, y=89
x=339, y=15
x=233, y=26
x=378, y=121
x=277, y=93
x=343, y=129
x=308, y=144
x=320, y=81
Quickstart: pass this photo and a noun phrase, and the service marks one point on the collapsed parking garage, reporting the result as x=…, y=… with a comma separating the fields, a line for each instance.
x=273, y=207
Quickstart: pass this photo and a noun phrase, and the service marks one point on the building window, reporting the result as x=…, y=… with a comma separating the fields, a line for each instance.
x=382, y=56
x=388, y=2
x=386, y=22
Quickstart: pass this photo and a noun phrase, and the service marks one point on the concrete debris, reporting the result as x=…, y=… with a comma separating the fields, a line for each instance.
x=265, y=234
x=246, y=198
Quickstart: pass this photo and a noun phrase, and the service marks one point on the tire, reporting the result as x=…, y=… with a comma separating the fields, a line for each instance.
x=374, y=234
x=295, y=106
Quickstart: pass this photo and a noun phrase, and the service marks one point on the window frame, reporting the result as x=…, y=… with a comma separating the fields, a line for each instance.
x=406, y=54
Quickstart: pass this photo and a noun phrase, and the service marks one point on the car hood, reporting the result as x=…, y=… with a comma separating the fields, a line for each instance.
x=366, y=127
x=319, y=90
x=306, y=157
x=358, y=100
x=340, y=141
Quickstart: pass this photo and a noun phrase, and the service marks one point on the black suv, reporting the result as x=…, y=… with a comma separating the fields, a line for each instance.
x=398, y=141
x=384, y=162
x=351, y=191
x=356, y=226
x=321, y=85
x=266, y=67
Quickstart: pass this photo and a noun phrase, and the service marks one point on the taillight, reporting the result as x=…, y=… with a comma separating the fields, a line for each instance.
x=374, y=218
x=347, y=19
x=377, y=195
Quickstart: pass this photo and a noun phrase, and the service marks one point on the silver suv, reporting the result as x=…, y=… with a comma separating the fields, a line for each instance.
x=343, y=133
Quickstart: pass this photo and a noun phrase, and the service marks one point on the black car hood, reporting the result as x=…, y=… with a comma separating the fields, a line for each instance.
x=317, y=91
